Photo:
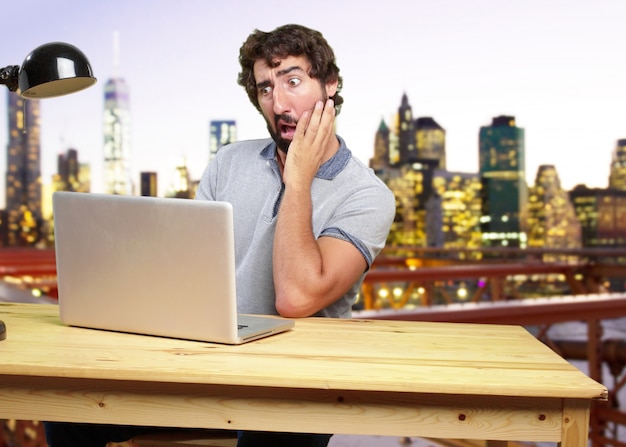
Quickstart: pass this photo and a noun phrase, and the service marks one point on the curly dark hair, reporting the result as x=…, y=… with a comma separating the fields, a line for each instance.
x=288, y=40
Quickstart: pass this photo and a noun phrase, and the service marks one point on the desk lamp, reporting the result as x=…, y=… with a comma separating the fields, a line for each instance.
x=50, y=70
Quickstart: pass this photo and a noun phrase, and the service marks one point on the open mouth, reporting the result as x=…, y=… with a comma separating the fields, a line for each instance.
x=285, y=126
x=287, y=131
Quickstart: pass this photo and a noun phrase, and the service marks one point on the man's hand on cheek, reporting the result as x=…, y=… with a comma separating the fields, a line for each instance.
x=308, y=148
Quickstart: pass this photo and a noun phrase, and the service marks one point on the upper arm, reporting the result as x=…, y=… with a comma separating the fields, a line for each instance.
x=343, y=265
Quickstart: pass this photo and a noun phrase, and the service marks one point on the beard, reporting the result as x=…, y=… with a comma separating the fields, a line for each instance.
x=281, y=143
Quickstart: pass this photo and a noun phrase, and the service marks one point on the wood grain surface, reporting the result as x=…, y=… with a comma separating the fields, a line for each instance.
x=440, y=380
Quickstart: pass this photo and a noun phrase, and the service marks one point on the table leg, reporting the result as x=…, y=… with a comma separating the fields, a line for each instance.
x=575, y=423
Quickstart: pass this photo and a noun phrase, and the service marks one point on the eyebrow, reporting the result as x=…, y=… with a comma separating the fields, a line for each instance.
x=280, y=73
x=287, y=70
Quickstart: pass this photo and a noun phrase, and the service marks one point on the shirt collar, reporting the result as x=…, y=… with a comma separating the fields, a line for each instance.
x=330, y=169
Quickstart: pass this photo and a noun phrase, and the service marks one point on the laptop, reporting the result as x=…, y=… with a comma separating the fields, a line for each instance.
x=153, y=266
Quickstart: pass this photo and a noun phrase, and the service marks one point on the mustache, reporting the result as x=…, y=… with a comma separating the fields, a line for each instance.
x=284, y=118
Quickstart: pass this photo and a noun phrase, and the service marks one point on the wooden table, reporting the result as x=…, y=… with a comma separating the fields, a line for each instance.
x=437, y=380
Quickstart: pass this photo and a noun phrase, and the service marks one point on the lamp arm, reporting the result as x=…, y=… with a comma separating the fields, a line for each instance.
x=8, y=77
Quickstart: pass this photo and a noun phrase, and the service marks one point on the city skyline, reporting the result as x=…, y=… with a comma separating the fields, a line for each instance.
x=555, y=66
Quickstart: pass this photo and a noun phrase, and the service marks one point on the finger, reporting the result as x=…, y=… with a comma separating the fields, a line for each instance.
x=314, y=122
x=302, y=125
x=328, y=118
x=325, y=126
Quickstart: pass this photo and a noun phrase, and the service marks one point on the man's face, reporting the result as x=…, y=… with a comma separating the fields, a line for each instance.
x=285, y=92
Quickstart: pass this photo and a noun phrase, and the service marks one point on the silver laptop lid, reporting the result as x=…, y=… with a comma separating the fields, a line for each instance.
x=147, y=265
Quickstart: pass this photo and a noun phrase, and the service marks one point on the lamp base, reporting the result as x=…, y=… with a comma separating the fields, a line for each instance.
x=3, y=330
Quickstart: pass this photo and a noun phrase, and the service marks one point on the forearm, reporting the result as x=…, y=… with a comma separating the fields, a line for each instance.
x=297, y=259
x=309, y=274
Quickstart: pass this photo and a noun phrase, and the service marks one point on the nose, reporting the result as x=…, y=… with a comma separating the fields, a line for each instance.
x=280, y=101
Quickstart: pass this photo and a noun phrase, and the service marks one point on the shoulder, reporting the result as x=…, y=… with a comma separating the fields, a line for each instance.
x=368, y=174
x=243, y=147
x=367, y=182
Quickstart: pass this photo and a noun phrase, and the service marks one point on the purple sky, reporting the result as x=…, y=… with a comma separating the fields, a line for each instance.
x=557, y=66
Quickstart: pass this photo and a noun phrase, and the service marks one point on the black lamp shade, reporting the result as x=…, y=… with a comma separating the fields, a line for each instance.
x=54, y=69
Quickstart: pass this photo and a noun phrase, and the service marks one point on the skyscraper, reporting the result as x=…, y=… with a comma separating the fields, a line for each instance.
x=221, y=133
x=503, y=177
x=380, y=161
x=148, y=184
x=71, y=175
x=412, y=185
x=181, y=187
x=459, y=200
x=406, y=132
x=408, y=172
x=430, y=141
x=617, y=177
x=117, y=148
x=23, y=178
x=602, y=215
x=552, y=222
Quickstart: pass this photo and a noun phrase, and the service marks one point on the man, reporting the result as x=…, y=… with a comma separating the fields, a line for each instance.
x=309, y=218
x=300, y=200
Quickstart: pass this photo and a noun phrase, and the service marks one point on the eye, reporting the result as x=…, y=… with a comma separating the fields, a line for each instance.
x=264, y=91
x=294, y=82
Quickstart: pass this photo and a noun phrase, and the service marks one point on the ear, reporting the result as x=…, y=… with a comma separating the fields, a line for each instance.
x=331, y=88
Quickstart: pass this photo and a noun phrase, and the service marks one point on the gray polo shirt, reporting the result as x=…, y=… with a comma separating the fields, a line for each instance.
x=349, y=203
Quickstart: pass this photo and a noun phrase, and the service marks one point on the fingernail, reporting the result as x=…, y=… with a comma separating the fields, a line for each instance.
x=319, y=105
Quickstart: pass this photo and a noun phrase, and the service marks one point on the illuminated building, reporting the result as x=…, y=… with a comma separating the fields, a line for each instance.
x=552, y=221
x=412, y=187
x=602, y=215
x=459, y=201
x=23, y=179
x=408, y=172
x=417, y=139
x=148, y=184
x=117, y=148
x=617, y=177
x=117, y=145
x=181, y=186
x=220, y=134
x=504, y=190
x=405, y=130
x=71, y=175
x=430, y=140
x=380, y=161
